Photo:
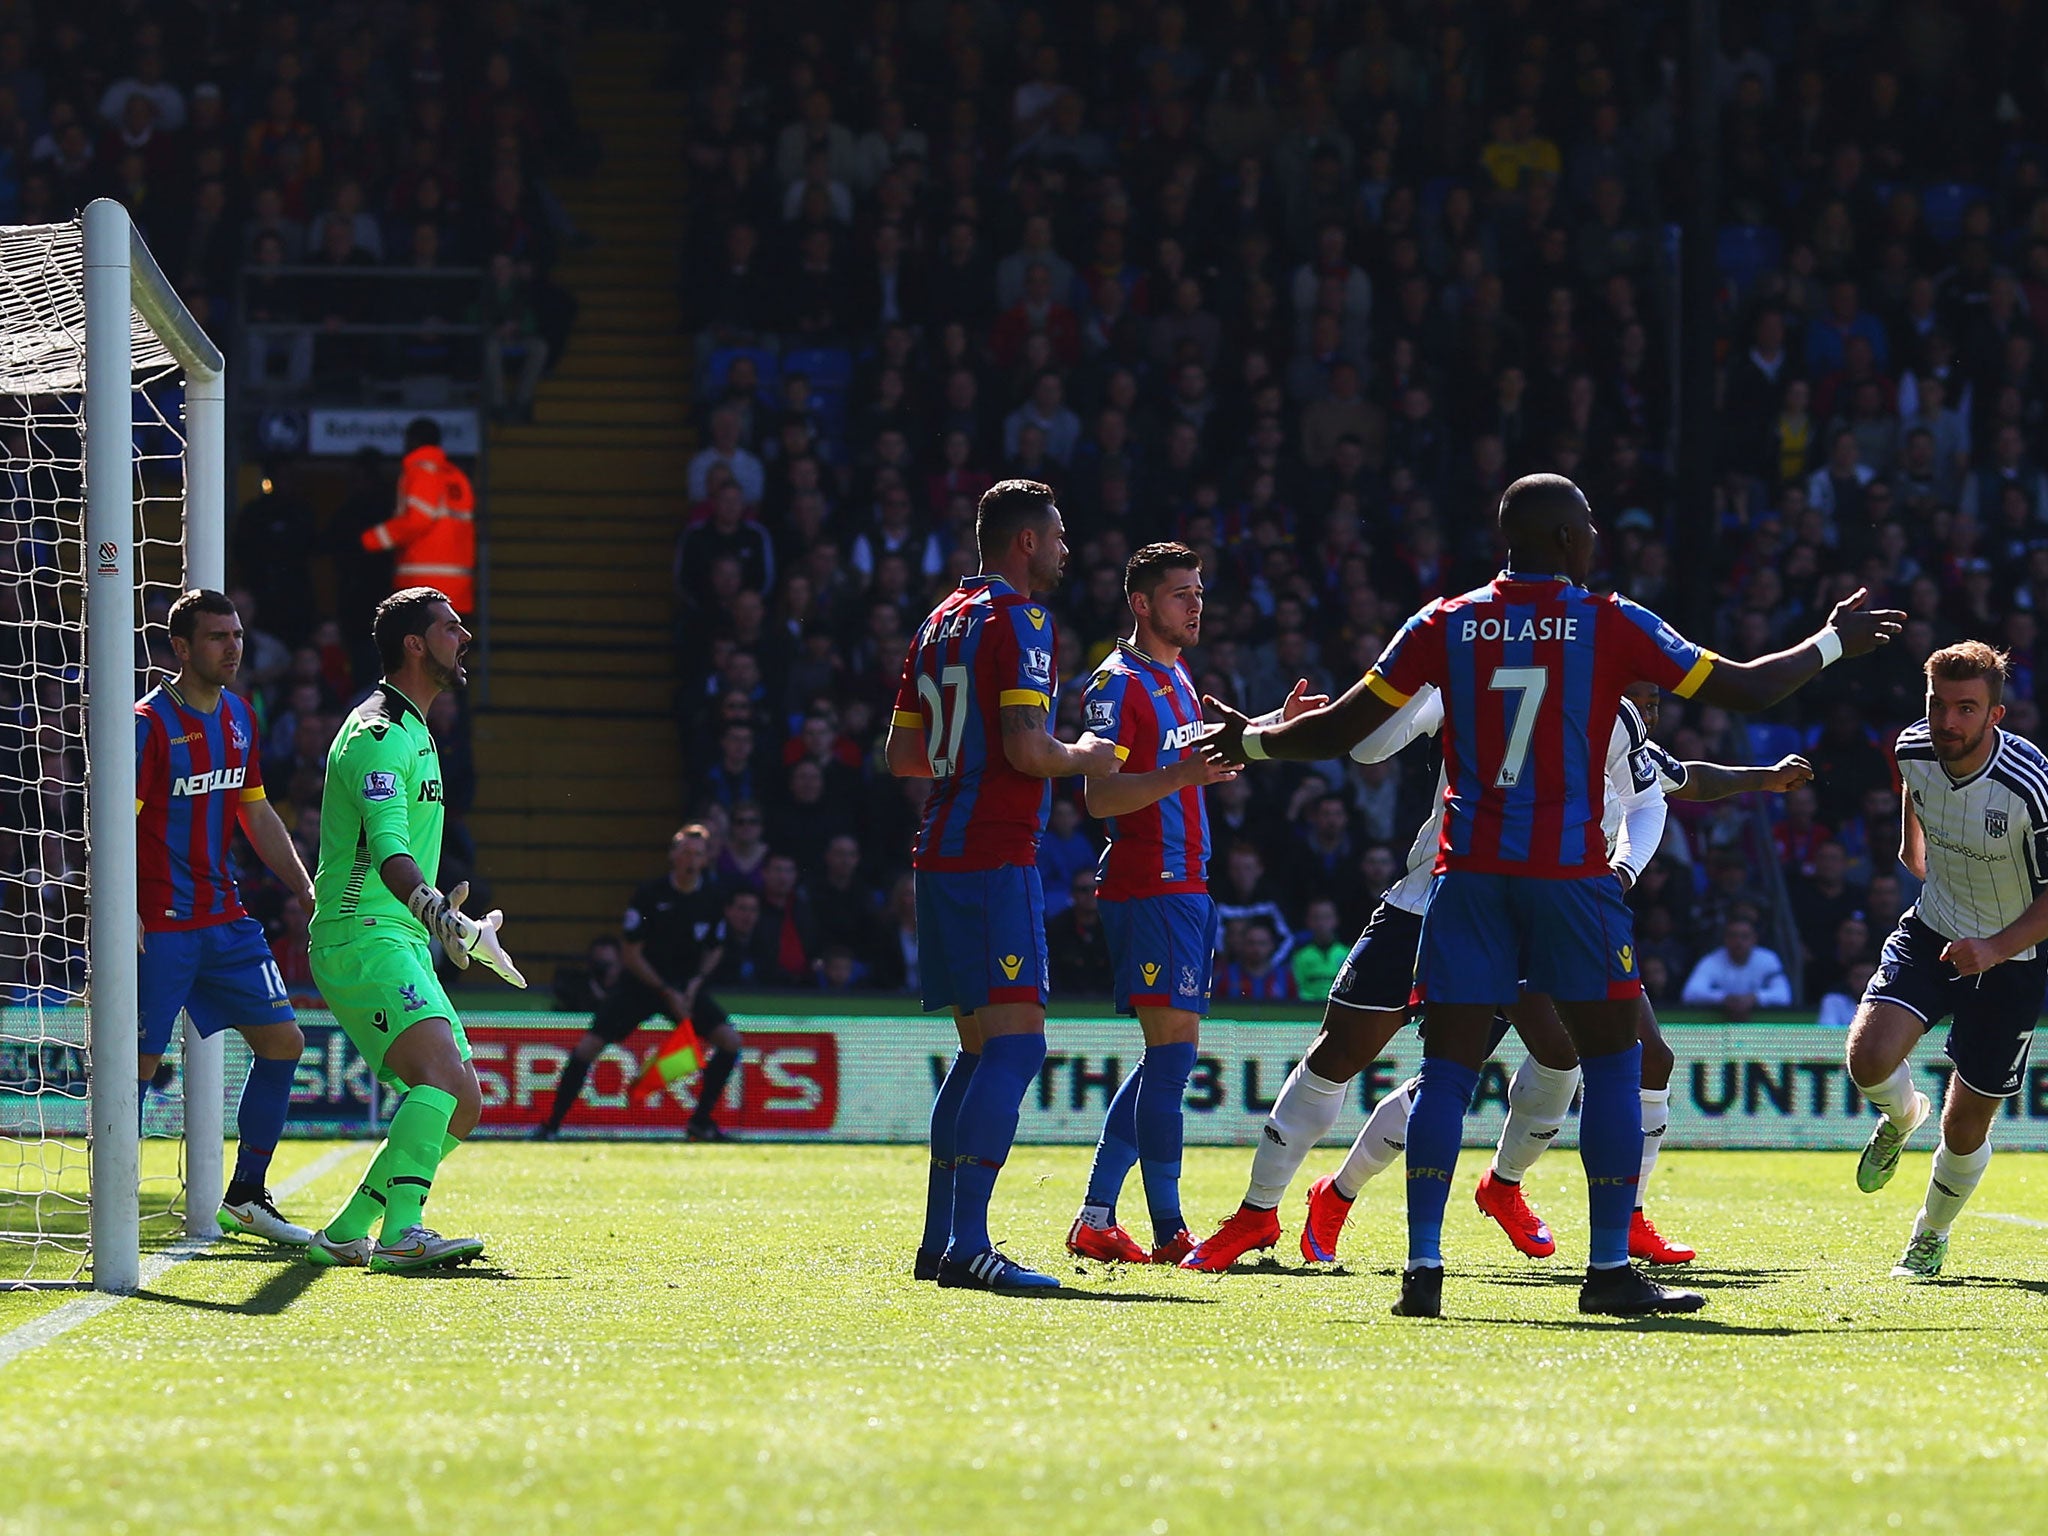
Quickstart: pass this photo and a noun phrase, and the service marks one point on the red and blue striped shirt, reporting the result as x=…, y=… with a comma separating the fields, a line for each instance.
x=1153, y=714
x=193, y=774
x=1532, y=671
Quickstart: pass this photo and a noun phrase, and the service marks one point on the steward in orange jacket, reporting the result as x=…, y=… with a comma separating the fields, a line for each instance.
x=434, y=526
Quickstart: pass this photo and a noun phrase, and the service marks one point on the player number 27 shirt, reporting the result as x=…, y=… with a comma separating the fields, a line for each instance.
x=1532, y=672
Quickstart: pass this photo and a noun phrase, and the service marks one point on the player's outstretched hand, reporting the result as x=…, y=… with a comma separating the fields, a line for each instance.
x=1097, y=756
x=1300, y=701
x=1790, y=773
x=490, y=953
x=1200, y=770
x=1226, y=745
x=442, y=917
x=1864, y=629
x=1971, y=957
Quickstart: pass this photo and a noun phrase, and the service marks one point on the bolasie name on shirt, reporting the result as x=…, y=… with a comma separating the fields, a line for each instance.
x=1549, y=627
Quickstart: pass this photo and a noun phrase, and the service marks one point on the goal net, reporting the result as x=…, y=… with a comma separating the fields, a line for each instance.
x=111, y=457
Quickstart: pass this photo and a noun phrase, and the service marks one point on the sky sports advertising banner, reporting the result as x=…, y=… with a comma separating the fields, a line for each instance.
x=872, y=1078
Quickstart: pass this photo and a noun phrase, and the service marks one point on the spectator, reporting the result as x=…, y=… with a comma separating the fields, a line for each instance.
x=582, y=988
x=512, y=336
x=748, y=957
x=1739, y=977
x=1252, y=971
x=1065, y=853
x=724, y=452
x=1320, y=953
x=788, y=933
x=1076, y=943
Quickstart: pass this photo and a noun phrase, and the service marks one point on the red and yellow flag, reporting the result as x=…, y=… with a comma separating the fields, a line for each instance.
x=677, y=1057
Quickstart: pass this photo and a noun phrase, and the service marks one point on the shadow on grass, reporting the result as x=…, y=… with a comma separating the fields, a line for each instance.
x=1695, y=1279
x=269, y=1299
x=1991, y=1283
x=1069, y=1293
x=1696, y=1324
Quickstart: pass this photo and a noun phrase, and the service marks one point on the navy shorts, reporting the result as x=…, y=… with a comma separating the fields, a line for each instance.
x=1163, y=949
x=1994, y=1012
x=981, y=938
x=223, y=976
x=1486, y=937
x=1379, y=973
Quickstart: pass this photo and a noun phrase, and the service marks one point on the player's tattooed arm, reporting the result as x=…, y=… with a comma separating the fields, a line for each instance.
x=1033, y=750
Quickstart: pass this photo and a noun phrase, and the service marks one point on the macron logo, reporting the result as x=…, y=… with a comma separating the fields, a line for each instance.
x=207, y=783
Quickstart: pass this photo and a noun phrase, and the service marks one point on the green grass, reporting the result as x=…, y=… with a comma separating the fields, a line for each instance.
x=725, y=1339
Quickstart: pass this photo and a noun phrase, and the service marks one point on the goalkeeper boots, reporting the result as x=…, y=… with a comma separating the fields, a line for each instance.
x=260, y=1217
x=992, y=1270
x=1924, y=1256
x=421, y=1247
x=330, y=1254
x=1880, y=1159
x=1244, y=1230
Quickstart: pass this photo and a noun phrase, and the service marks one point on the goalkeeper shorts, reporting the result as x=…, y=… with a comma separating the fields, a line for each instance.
x=378, y=987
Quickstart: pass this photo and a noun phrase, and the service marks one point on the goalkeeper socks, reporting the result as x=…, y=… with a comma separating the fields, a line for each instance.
x=988, y=1124
x=1302, y=1116
x=1380, y=1142
x=1436, y=1125
x=1611, y=1148
x=405, y=1169
x=1539, y=1098
x=1949, y=1186
x=1656, y=1120
x=1162, y=1085
x=574, y=1073
x=716, y=1072
x=266, y=1102
x=938, y=1192
x=449, y=1142
x=1116, y=1152
x=355, y=1219
x=1894, y=1096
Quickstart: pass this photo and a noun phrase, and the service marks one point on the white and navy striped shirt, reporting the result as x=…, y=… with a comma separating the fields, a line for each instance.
x=1987, y=835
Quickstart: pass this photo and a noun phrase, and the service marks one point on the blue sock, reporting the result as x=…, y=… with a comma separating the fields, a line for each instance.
x=1611, y=1147
x=1117, y=1152
x=1163, y=1085
x=266, y=1102
x=988, y=1124
x=938, y=1190
x=1436, y=1127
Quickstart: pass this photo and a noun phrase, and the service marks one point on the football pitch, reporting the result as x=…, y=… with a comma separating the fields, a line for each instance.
x=727, y=1339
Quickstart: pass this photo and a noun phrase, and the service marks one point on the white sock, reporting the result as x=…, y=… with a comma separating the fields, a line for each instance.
x=1099, y=1217
x=1380, y=1142
x=1302, y=1116
x=1894, y=1096
x=1539, y=1098
x=1950, y=1186
x=1656, y=1118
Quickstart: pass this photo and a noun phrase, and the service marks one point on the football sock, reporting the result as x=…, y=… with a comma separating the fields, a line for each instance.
x=266, y=1101
x=1162, y=1086
x=1380, y=1142
x=1894, y=1096
x=1303, y=1114
x=1611, y=1148
x=938, y=1189
x=1950, y=1185
x=449, y=1143
x=988, y=1124
x=404, y=1171
x=1656, y=1120
x=1116, y=1152
x=1539, y=1098
x=1436, y=1124
x=355, y=1219
x=574, y=1072
x=716, y=1071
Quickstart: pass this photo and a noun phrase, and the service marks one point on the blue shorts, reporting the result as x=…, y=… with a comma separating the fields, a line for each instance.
x=980, y=938
x=1486, y=937
x=223, y=976
x=1163, y=949
x=1994, y=1012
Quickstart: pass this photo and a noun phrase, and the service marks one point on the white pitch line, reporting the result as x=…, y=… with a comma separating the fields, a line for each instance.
x=2018, y=1221
x=39, y=1331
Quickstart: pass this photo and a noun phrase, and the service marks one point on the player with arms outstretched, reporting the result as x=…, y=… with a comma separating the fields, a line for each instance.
x=198, y=772
x=973, y=714
x=375, y=908
x=1975, y=829
x=1531, y=668
x=1154, y=890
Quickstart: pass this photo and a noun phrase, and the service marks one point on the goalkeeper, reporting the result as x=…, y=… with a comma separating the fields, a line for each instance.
x=375, y=908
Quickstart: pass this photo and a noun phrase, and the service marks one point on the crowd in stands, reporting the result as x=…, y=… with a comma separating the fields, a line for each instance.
x=1306, y=286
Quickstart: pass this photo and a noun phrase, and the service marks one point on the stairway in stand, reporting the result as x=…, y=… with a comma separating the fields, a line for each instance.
x=579, y=779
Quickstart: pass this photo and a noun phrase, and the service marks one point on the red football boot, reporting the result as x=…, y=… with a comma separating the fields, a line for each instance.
x=1112, y=1245
x=1327, y=1212
x=1245, y=1229
x=1504, y=1203
x=1175, y=1248
x=1645, y=1242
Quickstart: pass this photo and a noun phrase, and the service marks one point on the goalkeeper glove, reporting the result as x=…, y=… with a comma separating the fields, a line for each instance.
x=487, y=948
x=442, y=917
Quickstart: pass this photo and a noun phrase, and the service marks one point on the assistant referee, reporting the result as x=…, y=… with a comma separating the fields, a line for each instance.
x=675, y=934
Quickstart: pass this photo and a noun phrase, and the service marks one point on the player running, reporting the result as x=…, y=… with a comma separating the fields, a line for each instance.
x=375, y=908
x=1975, y=829
x=1641, y=776
x=197, y=773
x=1154, y=891
x=972, y=714
x=1532, y=667
x=675, y=927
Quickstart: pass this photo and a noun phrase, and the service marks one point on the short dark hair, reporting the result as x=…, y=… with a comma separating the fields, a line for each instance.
x=1007, y=508
x=422, y=432
x=1958, y=663
x=408, y=611
x=186, y=610
x=1148, y=567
